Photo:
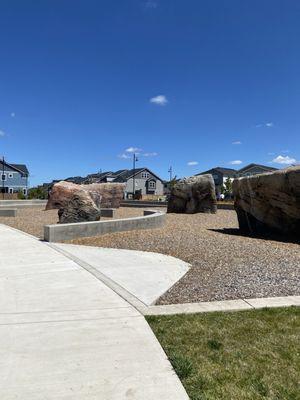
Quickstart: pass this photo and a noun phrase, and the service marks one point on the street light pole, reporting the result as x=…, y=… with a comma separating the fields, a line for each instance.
x=135, y=159
x=170, y=170
x=2, y=177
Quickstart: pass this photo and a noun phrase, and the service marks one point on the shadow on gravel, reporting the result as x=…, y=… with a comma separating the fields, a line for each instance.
x=265, y=236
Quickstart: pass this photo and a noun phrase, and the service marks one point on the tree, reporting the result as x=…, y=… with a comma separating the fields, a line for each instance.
x=226, y=188
x=38, y=192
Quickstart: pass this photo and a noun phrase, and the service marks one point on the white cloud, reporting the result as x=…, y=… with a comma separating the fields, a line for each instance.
x=236, y=162
x=153, y=154
x=124, y=156
x=190, y=163
x=2, y=133
x=133, y=150
x=160, y=100
x=266, y=124
x=284, y=160
x=12, y=114
x=237, y=142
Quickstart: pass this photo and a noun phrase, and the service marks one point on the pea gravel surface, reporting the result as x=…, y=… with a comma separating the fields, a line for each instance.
x=224, y=264
x=32, y=220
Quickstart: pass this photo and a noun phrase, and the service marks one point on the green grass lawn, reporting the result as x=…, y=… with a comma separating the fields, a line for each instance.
x=235, y=355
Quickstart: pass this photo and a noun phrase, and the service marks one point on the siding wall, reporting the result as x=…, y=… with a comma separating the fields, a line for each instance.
x=17, y=181
x=141, y=184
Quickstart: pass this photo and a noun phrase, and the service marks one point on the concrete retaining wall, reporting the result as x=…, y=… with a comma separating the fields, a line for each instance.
x=8, y=212
x=22, y=203
x=143, y=204
x=61, y=232
x=107, y=212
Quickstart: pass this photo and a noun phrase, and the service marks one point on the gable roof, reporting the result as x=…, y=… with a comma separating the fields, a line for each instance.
x=253, y=165
x=129, y=173
x=17, y=167
x=224, y=171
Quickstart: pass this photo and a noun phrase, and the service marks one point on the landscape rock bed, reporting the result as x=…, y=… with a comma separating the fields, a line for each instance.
x=32, y=220
x=225, y=265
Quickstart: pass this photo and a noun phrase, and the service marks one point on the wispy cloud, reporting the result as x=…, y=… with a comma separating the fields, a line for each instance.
x=153, y=154
x=150, y=4
x=191, y=163
x=133, y=150
x=124, y=156
x=160, y=100
x=2, y=133
x=265, y=124
x=12, y=114
x=284, y=160
x=236, y=162
x=237, y=142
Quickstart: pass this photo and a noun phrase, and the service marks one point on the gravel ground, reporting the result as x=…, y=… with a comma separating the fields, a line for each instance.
x=225, y=265
x=32, y=220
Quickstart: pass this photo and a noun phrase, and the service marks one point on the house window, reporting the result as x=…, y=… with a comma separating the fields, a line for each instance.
x=3, y=177
x=10, y=190
x=10, y=175
x=152, y=184
x=145, y=175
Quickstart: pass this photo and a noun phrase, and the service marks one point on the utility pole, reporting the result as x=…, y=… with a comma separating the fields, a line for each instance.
x=170, y=170
x=135, y=159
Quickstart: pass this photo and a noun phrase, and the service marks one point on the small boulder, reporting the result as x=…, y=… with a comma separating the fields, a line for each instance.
x=81, y=207
x=193, y=195
x=269, y=202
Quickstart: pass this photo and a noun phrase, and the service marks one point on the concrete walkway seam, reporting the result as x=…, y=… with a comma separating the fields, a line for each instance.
x=122, y=292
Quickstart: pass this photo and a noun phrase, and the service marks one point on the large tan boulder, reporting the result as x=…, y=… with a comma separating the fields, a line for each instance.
x=108, y=195
x=269, y=202
x=193, y=195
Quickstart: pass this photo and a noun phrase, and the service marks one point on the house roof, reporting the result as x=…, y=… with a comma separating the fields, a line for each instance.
x=127, y=174
x=18, y=167
x=224, y=171
x=249, y=166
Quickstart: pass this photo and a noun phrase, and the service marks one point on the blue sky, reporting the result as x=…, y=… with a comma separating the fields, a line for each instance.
x=195, y=82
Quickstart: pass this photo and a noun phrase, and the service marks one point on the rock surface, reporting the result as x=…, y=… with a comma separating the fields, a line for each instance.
x=193, y=195
x=80, y=208
x=111, y=194
x=269, y=202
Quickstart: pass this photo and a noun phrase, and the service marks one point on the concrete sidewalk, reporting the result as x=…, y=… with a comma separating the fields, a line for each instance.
x=145, y=275
x=66, y=335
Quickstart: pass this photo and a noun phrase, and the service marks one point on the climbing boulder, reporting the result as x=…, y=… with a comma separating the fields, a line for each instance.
x=108, y=195
x=269, y=202
x=80, y=208
x=193, y=195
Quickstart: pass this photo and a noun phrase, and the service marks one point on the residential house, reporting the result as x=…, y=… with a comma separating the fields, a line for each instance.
x=14, y=179
x=220, y=174
x=139, y=181
x=254, y=169
x=146, y=183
